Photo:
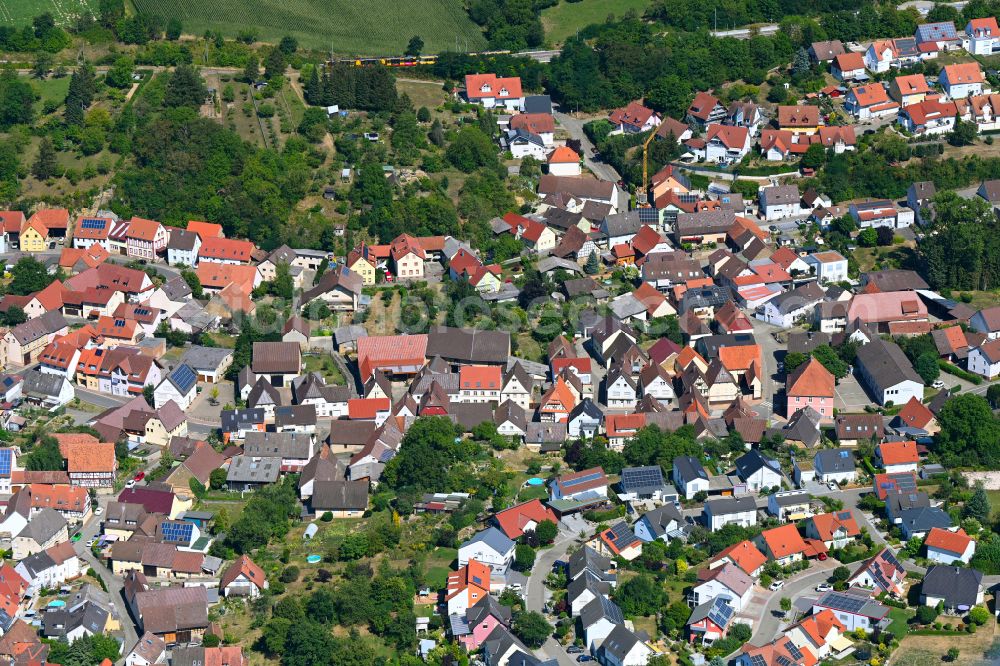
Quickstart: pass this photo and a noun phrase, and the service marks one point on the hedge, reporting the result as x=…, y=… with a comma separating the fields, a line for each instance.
x=958, y=372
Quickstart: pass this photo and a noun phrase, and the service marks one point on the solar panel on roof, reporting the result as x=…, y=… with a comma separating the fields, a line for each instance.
x=649, y=215
x=793, y=650
x=757, y=660
x=5, y=462
x=782, y=660
x=583, y=479
x=844, y=515
x=178, y=532
x=184, y=376
x=721, y=612
x=93, y=224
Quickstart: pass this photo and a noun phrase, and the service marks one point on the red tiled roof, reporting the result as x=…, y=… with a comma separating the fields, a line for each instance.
x=898, y=453
x=228, y=249
x=500, y=88
x=366, y=408
x=811, y=379
x=745, y=555
x=512, y=521
x=143, y=229
x=784, y=541
x=827, y=524
x=948, y=541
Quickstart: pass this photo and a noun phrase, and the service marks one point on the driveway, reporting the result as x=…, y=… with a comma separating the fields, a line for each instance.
x=850, y=395
x=574, y=126
x=770, y=619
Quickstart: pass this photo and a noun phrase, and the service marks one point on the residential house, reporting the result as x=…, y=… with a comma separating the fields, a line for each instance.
x=830, y=266
x=724, y=510
x=962, y=80
x=226, y=251
x=799, y=119
x=909, y=89
x=709, y=621
x=585, y=486
x=982, y=36
x=491, y=91
x=145, y=238
x=634, y=118
x=956, y=589
x=870, y=101
x=779, y=201
x=689, y=476
x=783, y=545
x=897, y=456
x=466, y=587
x=836, y=529
x=810, y=385
x=180, y=386
x=599, y=618
x=835, y=466
x=728, y=582
x=882, y=573
x=183, y=248
x=789, y=505
x=848, y=67
x=243, y=578
x=490, y=547
x=623, y=647
x=705, y=110
x=949, y=546
x=985, y=359
x=854, y=608
x=929, y=117
x=826, y=51
x=759, y=471
x=663, y=523
x=887, y=373
x=724, y=143
x=524, y=517
x=45, y=529
x=278, y=362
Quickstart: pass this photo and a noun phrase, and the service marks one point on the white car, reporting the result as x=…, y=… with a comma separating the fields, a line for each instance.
x=777, y=585
x=130, y=483
x=824, y=587
x=99, y=510
x=938, y=384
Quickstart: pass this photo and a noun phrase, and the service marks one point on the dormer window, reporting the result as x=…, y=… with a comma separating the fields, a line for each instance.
x=485, y=88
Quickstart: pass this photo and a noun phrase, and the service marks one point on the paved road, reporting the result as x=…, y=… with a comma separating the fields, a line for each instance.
x=770, y=620
x=747, y=33
x=575, y=128
x=769, y=348
x=535, y=592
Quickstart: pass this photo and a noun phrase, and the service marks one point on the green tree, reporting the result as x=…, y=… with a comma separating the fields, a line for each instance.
x=436, y=135
x=993, y=395
x=815, y=156
x=120, y=74
x=471, y=150
x=546, y=531
x=185, y=88
x=16, y=99
x=415, y=46
x=14, y=316
x=80, y=95
x=147, y=394
x=194, y=282
x=786, y=604
x=44, y=455
x=963, y=133
x=793, y=360
x=288, y=45
x=45, y=165
x=274, y=64
x=532, y=628
x=978, y=505
x=593, y=264
x=868, y=237
x=979, y=615
x=830, y=360
x=840, y=574
x=28, y=276
x=174, y=28
x=524, y=557
x=927, y=367
x=43, y=64
x=252, y=69
x=640, y=596
x=217, y=479
x=969, y=432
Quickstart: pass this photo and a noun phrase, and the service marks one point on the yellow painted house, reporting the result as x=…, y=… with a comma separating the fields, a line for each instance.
x=34, y=237
x=362, y=261
x=486, y=279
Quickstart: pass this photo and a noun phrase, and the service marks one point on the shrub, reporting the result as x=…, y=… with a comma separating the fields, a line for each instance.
x=326, y=517
x=290, y=574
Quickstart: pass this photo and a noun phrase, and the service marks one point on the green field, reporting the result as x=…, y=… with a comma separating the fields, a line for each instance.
x=20, y=12
x=340, y=26
x=566, y=18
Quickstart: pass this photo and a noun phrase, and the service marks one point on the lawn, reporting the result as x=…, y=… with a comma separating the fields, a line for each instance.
x=325, y=365
x=339, y=26
x=994, y=496
x=566, y=18
x=49, y=90
x=439, y=566
x=422, y=93
x=900, y=617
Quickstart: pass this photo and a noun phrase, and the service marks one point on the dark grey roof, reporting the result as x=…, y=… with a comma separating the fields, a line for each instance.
x=340, y=495
x=617, y=645
x=43, y=525
x=728, y=505
x=803, y=427
x=923, y=519
x=37, y=563
x=886, y=363
x=537, y=104
x=233, y=419
x=206, y=358
x=753, y=461
x=249, y=469
x=797, y=298
x=833, y=461
x=599, y=609
x=894, y=279
x=493, y=538
x=176, y=289
x=956, y=585
x=587, y=407
x=588, y=559
x=488, y=606
x=660, y=518
x=705, y=222
x=690, y=468
x=542, y=433
x=351, y=333
x=512, y=412
x=642, y=479
x=712, y=295
x=42, y=384
x=295, y=415
x=278, y=444
x=469, y=345
x=622, y=224
x=263, y=393
x=587, y=582
x=182, y=239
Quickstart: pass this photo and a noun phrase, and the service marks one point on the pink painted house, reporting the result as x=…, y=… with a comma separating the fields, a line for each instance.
x=479, y=622
x=810, y=385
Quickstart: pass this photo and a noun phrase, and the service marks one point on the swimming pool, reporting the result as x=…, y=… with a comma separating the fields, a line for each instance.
x=313, y=559
x=535, y=481
x=57, y=603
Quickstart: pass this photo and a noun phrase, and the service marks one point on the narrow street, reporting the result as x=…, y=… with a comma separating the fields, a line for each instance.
x=574, y=126
x=535, y=592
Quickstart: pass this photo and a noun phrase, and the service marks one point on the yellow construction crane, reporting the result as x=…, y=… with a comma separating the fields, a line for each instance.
x=642, y=198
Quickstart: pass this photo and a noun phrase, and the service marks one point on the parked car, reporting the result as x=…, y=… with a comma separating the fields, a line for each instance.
x=938, y=384
x=824, y=587
x=821, y=557
x=574, y=649
x=130, y=483
x=777, y=585
x=140, y=476
x=99, y=510
x=584, y=657
x=76, y=537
